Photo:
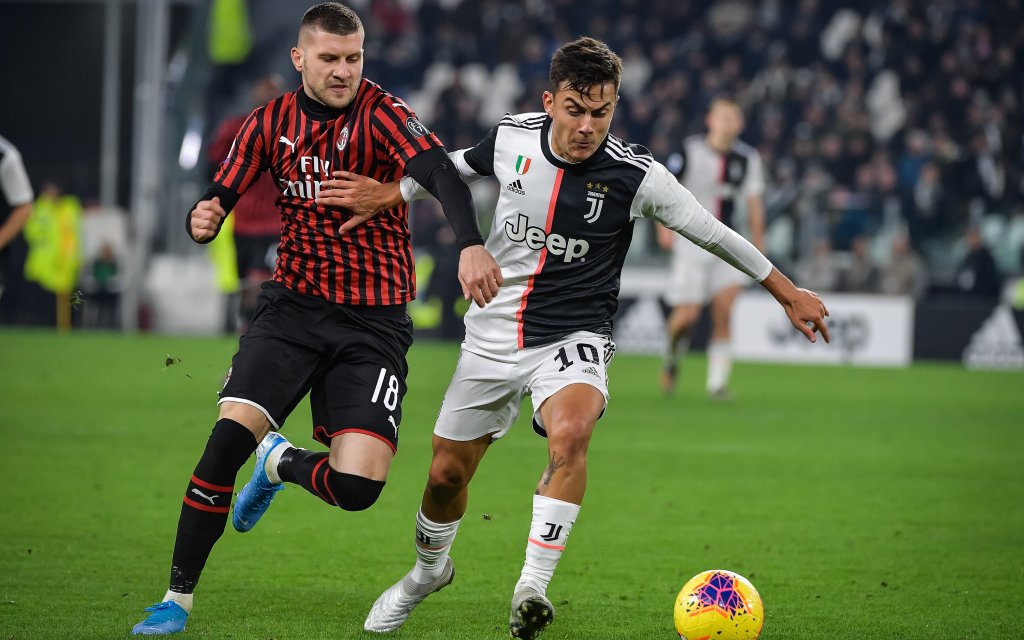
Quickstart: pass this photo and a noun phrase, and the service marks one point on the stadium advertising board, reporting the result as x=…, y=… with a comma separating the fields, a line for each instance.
x=866, y=330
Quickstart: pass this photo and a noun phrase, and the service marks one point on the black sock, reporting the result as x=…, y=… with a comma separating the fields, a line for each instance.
x=207, y=501
x=303, y=467
x=312, y=471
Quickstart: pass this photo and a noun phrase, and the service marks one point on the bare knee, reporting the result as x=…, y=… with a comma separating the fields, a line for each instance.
x=569, y=437
x=447, y=479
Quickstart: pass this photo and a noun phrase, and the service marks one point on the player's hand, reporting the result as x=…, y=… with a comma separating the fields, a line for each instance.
x=363, y=196
x=807, y=313
x=206, y=219
x=479, y=275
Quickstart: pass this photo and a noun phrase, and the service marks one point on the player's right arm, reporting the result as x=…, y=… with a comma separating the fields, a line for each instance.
x=243, y=165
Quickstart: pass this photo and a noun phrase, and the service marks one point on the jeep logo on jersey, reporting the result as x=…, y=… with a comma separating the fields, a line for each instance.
x=536, y=239
x=343, y=139
x=415, y=128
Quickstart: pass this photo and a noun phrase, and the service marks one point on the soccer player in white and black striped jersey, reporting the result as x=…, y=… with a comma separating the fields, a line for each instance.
x=570, y=193
x=727, y=178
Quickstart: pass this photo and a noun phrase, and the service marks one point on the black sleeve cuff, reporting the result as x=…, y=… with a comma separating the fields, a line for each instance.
x=228, y=200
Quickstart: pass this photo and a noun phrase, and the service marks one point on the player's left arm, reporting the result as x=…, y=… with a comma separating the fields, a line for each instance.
x=422, y=156
x=662, y=197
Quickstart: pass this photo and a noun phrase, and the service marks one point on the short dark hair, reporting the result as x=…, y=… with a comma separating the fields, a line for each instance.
x=585, y=63
x=332, y=17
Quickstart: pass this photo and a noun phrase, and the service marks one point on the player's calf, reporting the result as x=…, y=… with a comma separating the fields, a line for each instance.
x=312, y=471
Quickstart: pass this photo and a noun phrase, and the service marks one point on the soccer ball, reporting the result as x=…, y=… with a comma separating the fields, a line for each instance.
x=719, y=605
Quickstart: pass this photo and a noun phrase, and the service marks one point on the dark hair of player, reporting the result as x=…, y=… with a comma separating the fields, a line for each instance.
x=331, y=17
x=585, y=63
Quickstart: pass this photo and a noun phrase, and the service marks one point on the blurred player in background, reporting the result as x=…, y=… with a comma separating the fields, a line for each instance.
x=727, y=178
x=15, y=209
x=333, y=321
x=570, y=193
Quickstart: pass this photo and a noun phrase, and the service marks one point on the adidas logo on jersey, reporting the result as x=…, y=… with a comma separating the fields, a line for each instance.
x=535, y=238
x=516, y=187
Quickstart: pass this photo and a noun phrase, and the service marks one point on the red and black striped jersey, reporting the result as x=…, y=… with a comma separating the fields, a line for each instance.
x=301, y=142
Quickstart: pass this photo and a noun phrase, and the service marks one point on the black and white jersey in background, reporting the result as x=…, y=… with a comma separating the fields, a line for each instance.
x=561, y=231
x=721, y=182
x=15, y=188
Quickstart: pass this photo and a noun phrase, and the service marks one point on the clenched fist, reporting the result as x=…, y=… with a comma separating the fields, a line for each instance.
x=206, y=219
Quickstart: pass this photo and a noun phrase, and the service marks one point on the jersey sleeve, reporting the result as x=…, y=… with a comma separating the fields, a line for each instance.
x=399, y=131
x=481, y=157
x=17, y=189
x=246, y=160
x=662, y=198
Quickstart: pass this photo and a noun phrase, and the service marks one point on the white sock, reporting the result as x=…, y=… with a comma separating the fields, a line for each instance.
x=274, y=459
x=552, y=522
x=719, y=364
x=184, y=599
x=433, y=541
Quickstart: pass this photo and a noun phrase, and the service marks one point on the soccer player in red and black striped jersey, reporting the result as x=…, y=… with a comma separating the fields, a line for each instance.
x=332, y=322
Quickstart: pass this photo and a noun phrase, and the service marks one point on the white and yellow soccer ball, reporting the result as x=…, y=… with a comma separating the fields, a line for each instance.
x=719, y=605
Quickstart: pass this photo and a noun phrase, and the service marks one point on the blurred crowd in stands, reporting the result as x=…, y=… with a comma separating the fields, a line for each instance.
x=891, y=132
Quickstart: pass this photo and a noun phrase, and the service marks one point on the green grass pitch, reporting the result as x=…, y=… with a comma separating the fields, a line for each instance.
x=863, y=503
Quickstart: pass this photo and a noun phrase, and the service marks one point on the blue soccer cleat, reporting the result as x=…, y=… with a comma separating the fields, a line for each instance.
x=165, y=618
x=254, y=498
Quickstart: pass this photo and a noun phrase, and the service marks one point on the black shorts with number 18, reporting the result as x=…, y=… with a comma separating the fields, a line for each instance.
x=350, y=359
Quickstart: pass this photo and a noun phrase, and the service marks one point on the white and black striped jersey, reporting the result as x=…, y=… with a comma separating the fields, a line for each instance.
x=721, y=182
x=561, y=231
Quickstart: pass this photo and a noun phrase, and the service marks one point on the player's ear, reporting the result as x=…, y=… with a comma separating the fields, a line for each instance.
x=549, y=103
x=297, y=59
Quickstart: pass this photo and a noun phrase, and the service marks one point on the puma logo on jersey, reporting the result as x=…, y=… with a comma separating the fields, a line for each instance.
x=516, y=187
x=391, y=419
x=204, y=496
x=288, y=142
x=535, y=238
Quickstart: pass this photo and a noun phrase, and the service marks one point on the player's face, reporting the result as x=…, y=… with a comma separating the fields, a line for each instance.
x=331, y=65
x=580, y=122
x=725, y=121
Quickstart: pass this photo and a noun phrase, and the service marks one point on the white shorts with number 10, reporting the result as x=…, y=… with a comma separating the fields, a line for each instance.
x=485, y=392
